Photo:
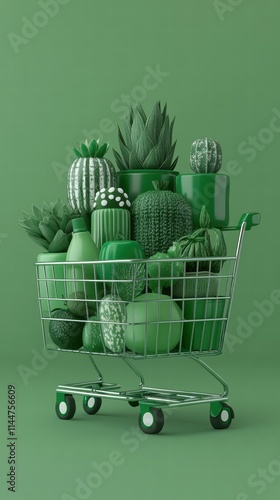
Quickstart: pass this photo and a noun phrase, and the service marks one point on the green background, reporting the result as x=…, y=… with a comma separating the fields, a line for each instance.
x=219, y=73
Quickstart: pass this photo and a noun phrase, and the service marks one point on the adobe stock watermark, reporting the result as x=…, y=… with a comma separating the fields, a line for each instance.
x=260, y=480
x=48, y=9
x=223, y=7
x=153, y=77
x=246, y=327
x=130, y=442
x=3, y=236
x=253, y=144
x=38, y=363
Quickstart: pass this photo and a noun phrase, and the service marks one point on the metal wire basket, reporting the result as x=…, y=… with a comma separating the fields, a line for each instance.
x=136, y=316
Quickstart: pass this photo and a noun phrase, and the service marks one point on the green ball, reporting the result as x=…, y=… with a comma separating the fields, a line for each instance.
x=92, y=336
x=66, y=334
x=154, y=324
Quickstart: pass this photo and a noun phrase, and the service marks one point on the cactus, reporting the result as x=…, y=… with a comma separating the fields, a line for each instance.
x=160, y=217
x=89, y=173
x=205, y=156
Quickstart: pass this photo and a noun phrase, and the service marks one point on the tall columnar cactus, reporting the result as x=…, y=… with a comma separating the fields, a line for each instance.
x=89, y=173
x=205, y=156
x=160, y=217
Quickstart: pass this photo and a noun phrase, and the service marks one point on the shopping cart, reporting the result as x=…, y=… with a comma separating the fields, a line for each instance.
x=174, y=316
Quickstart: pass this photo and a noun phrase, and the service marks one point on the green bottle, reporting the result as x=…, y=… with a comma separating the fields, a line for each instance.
x=82, y=248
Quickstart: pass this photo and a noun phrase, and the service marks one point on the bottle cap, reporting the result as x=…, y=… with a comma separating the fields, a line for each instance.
x=78, y=225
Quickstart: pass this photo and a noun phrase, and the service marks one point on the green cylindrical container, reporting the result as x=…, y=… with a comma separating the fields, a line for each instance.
x=134, y=182
x=201, y=335
x=108, y=223
x=53, y=291
x=209, y=190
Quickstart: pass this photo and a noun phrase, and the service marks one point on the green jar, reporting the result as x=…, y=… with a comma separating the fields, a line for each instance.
x=51, y=292
x=209, y=190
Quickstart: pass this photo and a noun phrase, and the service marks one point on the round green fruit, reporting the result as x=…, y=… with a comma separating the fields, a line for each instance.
x=154, y=324
x=66, y=334
x=77, y=304
x=92, y=336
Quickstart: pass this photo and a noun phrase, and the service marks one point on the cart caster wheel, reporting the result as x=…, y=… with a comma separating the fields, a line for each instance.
x=133, y=403
x=224, y=417
x=91, y=404
x=66, y=409
x=151, y=421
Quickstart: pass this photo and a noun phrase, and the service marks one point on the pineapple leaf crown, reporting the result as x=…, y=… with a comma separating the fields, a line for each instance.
x=147, y=140
x=91, y=149
x=50, y=226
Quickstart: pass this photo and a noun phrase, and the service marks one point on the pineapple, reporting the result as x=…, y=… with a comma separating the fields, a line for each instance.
x=147, y=141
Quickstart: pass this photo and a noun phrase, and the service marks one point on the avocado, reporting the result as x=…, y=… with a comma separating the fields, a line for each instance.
x=66, y=329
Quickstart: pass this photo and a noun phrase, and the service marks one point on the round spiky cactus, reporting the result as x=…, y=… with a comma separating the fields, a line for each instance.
x=89, y=173
x=205, y=156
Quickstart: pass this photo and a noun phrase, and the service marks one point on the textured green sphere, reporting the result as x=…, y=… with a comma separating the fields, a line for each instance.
x=112, y=197
x=66, y=334
x=205, y=156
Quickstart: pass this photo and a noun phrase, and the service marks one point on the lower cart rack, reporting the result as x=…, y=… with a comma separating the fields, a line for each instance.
x=187, y=317
x=152, y=400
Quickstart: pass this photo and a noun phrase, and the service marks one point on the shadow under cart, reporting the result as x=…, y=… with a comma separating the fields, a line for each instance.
x=190, y=321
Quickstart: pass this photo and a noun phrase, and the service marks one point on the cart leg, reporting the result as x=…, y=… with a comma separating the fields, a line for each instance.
x=151, y=420
x=214, y=374
x=100, y=376
x=65, y=406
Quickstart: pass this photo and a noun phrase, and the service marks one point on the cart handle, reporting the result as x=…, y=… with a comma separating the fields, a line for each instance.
x=251, y=219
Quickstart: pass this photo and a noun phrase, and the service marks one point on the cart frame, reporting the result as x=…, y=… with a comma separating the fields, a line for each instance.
x=151, y=400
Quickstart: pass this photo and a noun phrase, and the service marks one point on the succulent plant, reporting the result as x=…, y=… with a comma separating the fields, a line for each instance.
x=205, y=156
x=89, y=173
x=147, y=140
x=50, y=226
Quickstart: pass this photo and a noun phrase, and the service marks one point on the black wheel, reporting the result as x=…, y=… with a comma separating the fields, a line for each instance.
x=133, y=403
x=91, y=404
x=66, y=409
x=152, y=421
x=224, y=418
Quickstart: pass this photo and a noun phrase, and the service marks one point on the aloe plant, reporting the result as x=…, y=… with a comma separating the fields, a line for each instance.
x=50, y=226
x=147, y=140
